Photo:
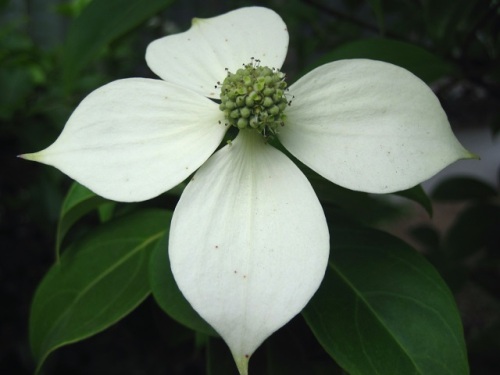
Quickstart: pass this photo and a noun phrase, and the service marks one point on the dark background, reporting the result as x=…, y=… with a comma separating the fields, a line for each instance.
x=35, y=102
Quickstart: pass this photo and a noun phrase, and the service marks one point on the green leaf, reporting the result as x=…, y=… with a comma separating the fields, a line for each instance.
x=428, y=236
x=100, y=23
x=293, y=350
x=495, y=125
x=418, y=195
x=383, y=309
x=341, y=204
x=73, y=8
x=463, y=188
x=78, y=202
x=106, y=211
x=476, y=228
x=285, y=357
x=17, y=84
x=417, y=60
x=450, y=21
x=376, y=6
x=98, y=281
x=219, y=359
x=168, y=295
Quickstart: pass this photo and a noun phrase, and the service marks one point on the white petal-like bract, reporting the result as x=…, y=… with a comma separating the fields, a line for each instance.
x=369, y=125
x=248, y=242
x=134, y=139
x=197, y=58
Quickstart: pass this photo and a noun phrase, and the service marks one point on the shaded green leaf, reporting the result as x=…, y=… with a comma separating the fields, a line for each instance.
x=168, y=295
x=219, y=359
x=100, y=23
x=428, y=236
x=97, y=282
x=16, y=84
x=475, y=229
x=463, y=188
x=293, y=350
x=344, y=205
x=495, y=125
x=106, y=211
x=417, y=60
x=78, y=202
x=448, y=21
x=383, y=309
x=73, y=8
x=418, y=195
x=285, y=354
x=333, y=194
x=376, y=6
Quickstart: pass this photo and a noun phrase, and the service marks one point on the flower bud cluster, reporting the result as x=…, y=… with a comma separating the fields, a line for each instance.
x=254, y=98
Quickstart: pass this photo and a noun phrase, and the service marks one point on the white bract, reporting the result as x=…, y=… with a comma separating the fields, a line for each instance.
x=249, y=242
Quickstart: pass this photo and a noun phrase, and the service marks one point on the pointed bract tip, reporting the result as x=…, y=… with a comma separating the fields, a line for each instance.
x=242, y=364
x=471, y=155
x=33, y=156
x=195, y=20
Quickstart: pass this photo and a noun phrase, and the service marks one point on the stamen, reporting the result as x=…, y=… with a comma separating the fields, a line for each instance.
x=254, y=97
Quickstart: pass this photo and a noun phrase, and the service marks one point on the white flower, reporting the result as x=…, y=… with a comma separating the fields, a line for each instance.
x=249, y=241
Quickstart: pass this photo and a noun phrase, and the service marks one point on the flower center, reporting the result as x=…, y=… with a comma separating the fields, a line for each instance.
x=254, y=98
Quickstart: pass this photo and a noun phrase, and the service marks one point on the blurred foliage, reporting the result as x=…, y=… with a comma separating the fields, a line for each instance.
x=53, y=53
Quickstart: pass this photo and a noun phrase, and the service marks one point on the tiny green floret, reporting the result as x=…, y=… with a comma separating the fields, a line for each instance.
x=254, y=98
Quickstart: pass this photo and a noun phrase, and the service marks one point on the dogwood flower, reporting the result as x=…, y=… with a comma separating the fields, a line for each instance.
x=249, y=242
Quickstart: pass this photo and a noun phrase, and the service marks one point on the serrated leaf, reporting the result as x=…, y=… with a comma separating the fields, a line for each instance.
x=168, y=295
x=463, y=188
x=100, y=23
x=383, y=309
x=418, y=195
x=417, y=60
x=98, y=281
x=78, y=202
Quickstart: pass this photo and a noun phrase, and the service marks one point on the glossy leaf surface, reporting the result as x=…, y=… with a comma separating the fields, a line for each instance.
x=97, y=282
x=418, y=195
x=78, y=201
x=474, y=229
x=219, y=360
x=377, y=9
x=167, y=293
x=101, y=22
x=463, y=188
x=417, y=60
x=382, y=309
